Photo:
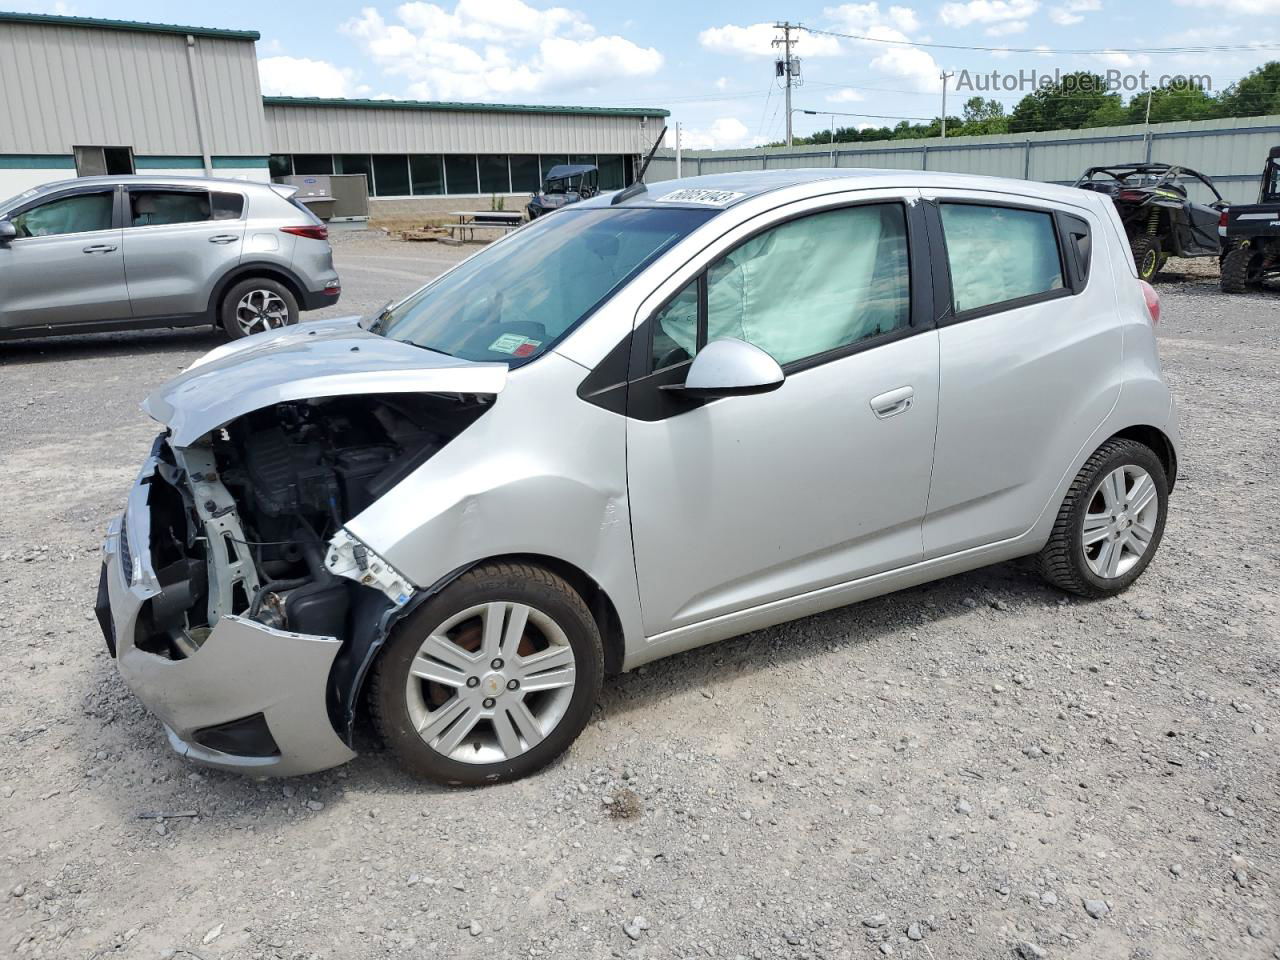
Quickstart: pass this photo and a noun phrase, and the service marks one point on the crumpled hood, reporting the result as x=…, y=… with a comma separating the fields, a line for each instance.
x=328, y=358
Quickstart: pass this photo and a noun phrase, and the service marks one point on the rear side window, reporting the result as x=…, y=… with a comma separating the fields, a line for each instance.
x=227, y=206
x=1079, y=245
x=802, y=289
x=999, y=254
x=149, y=208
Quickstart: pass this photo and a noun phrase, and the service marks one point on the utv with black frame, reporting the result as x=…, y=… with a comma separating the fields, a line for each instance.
x=1251, y=234
x=1160, y=219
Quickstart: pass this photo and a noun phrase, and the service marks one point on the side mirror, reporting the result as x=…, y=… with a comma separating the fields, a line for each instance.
x=7, y=232
x=730, y=368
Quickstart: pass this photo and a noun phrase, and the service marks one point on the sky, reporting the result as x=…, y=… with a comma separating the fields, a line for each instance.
x=712, y=65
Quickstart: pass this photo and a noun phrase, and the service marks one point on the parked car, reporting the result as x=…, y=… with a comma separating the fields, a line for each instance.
x=1251, y=234
x=564, y=184
x=644, y=424
x=134, y=252
x=1159, y=218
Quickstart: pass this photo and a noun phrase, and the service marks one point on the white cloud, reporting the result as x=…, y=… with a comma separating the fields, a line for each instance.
x=845, y=95
x=301, y=77
x=722, y=83
x=724, y=132
x=1114, y=58
x=757, y=39
x=860, y=17
x=497, y=49
x=1006, y=28
x=986, y=11
x=1243, y=7
x=1070, y=12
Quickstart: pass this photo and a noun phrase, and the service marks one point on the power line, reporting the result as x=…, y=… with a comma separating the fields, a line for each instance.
x=1209, y=48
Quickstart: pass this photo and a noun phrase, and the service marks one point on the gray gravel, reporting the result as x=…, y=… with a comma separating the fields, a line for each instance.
x=960, y=770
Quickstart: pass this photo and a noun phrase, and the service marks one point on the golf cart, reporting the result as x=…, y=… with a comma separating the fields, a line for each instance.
x=1251, y=234
x=565, y=183
x=1159, y=218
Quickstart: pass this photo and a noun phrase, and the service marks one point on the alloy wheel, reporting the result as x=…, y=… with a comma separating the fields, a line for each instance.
x=1120, y=521
x=260, y=310
x=491, y=682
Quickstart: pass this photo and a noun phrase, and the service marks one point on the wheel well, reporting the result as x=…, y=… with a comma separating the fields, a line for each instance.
x=597, y=601
x=1154, y=439
x=248, y=271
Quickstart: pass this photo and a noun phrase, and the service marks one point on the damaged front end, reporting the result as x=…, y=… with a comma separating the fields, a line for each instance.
x=239, y=607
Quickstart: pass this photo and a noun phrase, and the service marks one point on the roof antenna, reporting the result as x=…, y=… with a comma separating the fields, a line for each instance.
x=638, y=187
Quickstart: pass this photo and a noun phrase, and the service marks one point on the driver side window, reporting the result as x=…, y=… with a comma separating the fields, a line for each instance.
x=799, y=290
x=81, y=213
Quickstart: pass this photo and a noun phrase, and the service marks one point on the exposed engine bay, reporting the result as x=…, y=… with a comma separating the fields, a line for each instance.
x=249, y=519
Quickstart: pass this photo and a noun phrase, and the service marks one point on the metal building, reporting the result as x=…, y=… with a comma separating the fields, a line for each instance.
x=85, y=96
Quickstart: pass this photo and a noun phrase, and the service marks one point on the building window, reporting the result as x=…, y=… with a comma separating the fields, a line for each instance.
x=391, y=175
x=494, y=176
x=427, y=175
x=524, y=174
x=356, y=163
x=583, y=158
x=460, y=173
x=103, y=161
x=280, y=165
x=552, y=161
x=612, y=173
x=312, y=164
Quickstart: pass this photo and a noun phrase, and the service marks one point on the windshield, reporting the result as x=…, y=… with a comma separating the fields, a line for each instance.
x=515, y=299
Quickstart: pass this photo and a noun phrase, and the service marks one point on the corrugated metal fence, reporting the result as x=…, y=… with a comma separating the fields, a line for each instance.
x=1231, y=152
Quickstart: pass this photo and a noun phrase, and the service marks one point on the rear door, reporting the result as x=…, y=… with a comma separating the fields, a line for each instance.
x=1029, y=360
x=176, y=239
x=66, y=265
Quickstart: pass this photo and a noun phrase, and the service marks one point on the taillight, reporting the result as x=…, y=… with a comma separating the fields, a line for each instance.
x=310, y=231
x=1222, y=219
x=1153, y=301
x=1131, y=195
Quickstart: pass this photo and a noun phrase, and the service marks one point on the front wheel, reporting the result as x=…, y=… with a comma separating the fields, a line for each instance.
x=1111, y=522
x=491, y=679
x=256, y=305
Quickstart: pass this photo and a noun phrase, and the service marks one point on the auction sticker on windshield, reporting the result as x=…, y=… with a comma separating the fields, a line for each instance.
x=714, y=198
x=515, y=344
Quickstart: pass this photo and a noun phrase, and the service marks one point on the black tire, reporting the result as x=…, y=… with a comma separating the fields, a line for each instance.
x=1241, y=269
x=522, y=583
x=1063, y=561
x=227, y=310
x=1147, y=257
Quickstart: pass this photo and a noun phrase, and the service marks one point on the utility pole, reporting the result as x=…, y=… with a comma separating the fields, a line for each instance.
x=784, y=66
x=945, y=77
x=1146, y=124
x=677, y=149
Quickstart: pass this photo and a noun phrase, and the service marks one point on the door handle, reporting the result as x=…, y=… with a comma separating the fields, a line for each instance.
x=894, y=402
x=224, y=238
x=100, y=248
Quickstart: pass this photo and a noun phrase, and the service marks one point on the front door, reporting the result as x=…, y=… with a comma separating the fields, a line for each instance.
x=175, y=241
x=66, y=265
x=744, y=500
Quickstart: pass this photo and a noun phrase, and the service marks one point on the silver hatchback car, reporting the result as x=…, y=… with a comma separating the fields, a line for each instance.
x=644, y=423
x=110, y=253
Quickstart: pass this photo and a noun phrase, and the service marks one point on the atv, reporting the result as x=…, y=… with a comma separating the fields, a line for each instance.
x=1159, y=218
x=565, y=183
x=1251, y=234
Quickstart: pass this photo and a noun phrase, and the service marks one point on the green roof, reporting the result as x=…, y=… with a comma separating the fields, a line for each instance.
x=52, y=20
x=464, y=107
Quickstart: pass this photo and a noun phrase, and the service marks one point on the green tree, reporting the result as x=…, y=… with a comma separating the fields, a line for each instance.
x=1177, y=102
x=1111, y=113
x=1254, y=95
x=1065, y=105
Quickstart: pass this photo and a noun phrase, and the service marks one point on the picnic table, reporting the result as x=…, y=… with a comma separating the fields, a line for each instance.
x=471, y=220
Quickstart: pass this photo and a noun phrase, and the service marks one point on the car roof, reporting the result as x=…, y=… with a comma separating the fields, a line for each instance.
x=137, y=179
x=562, y=170
x=726, y=190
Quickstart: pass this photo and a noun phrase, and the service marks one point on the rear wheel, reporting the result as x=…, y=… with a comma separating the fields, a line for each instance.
x=256, y=305
x=1147, y=257
x=1111, y=522
x=1241, y=269
x=491, y=679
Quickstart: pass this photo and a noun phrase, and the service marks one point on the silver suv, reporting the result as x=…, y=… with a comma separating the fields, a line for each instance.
x=108, y=253
x=648, y=422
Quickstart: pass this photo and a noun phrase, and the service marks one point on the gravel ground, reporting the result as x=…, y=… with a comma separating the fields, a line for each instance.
x=978, y=768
